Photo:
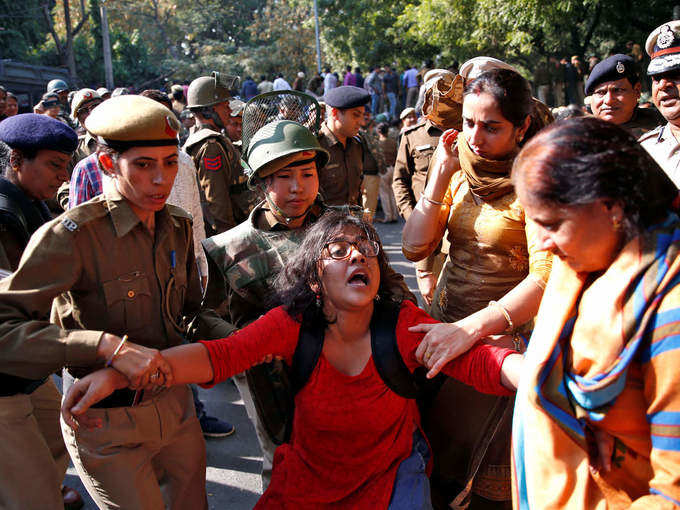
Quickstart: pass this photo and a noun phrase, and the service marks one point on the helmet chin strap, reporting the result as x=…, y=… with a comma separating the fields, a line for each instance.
x=277, y=210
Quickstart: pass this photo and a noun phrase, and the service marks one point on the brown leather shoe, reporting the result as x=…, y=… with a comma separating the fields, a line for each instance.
x=72, y=500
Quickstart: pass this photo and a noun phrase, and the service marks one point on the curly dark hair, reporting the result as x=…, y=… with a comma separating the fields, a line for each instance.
x=580, y=160
x=293, y=285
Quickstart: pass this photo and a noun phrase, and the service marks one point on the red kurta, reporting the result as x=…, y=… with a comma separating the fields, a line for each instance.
x=350, y=433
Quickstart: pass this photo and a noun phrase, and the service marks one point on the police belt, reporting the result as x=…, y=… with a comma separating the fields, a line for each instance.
x=119, y=398
x=237, y=189
x=11, y=385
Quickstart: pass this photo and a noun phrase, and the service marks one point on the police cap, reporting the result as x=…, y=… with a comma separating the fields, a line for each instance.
x=346, y=96
x=406, y=112
x=611, y=69
x=663, y=47
x=133, y=121
x=30, y=131
x=236, y=106
x=83, y=98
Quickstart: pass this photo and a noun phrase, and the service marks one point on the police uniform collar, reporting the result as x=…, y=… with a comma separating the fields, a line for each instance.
x=124, y=218
x=415, y=126
x=326, y=132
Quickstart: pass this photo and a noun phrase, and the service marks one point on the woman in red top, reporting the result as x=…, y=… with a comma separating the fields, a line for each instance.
x=355, y=444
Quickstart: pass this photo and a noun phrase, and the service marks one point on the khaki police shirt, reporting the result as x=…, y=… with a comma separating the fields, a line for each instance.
x=664, y=147
x=413, y=159
x=94, y=269
x=340, y=179
x=217, y=165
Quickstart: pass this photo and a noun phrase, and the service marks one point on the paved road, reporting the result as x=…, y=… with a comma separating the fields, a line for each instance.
x=234, y=463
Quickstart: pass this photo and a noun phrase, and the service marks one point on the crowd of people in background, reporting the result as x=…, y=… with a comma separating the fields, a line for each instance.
x=154, y=240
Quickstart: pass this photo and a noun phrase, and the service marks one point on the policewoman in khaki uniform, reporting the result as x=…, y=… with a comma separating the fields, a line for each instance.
x=119, y=266
x=33, y=458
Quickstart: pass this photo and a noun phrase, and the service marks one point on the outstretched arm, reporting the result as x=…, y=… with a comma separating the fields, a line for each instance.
x=188, y=363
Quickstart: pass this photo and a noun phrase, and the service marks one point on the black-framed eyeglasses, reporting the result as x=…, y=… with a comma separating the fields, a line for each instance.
x=341, y=249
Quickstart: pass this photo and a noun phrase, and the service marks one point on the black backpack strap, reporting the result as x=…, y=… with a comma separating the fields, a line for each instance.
x=307, y=351
x=386, y=355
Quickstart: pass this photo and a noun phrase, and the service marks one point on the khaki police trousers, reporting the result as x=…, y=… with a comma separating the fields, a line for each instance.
x=33, y=458
x=148, y=457
x=389, y=203
x=369, y=194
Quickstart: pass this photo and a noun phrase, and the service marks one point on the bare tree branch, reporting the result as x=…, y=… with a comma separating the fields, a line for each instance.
x=53, y=32
x=83, y=17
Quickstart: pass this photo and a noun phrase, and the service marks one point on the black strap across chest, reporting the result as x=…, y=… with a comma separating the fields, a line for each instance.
x=384, y=349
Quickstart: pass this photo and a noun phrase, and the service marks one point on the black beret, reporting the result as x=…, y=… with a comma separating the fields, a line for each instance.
x=346, y=97
x=611, y=69
x=33, y=131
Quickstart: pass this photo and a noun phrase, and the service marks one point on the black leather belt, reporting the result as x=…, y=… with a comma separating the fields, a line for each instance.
x=119, y=398
x=11, y=385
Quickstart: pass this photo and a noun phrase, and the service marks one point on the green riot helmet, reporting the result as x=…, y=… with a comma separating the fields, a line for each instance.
x=279, y=144
x=57, y=86
x=277, y=127
x=207, y=91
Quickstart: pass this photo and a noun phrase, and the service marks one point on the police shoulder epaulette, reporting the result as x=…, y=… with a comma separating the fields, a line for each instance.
x=414, y=127
x=199, y=136
x=179, y=212
x=654, y=133
x=84, y=213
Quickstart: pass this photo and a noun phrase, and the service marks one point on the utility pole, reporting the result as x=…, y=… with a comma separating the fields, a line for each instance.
x=318, y=43
x=106, y=46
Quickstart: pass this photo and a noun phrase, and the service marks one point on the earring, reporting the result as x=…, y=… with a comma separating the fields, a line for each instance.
x=318, y=300
x=616, y=223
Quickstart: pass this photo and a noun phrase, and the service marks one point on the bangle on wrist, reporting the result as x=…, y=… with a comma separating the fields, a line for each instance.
x=109, y=361
x=432, y=201
x=508, y=319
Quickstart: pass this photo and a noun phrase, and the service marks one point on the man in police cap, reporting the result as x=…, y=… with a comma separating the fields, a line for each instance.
x=663, y=47
x=84, y=101
x=216, y=159
x=416, y=148
x=340, y=180
x=614, y=87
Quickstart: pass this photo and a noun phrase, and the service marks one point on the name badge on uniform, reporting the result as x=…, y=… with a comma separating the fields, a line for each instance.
x=421, y=148
x=69, y=224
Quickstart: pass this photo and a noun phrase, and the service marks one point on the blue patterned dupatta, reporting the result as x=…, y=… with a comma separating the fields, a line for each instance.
x=579, y=357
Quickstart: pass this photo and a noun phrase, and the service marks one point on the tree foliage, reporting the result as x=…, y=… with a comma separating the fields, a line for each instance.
x=155, y=41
